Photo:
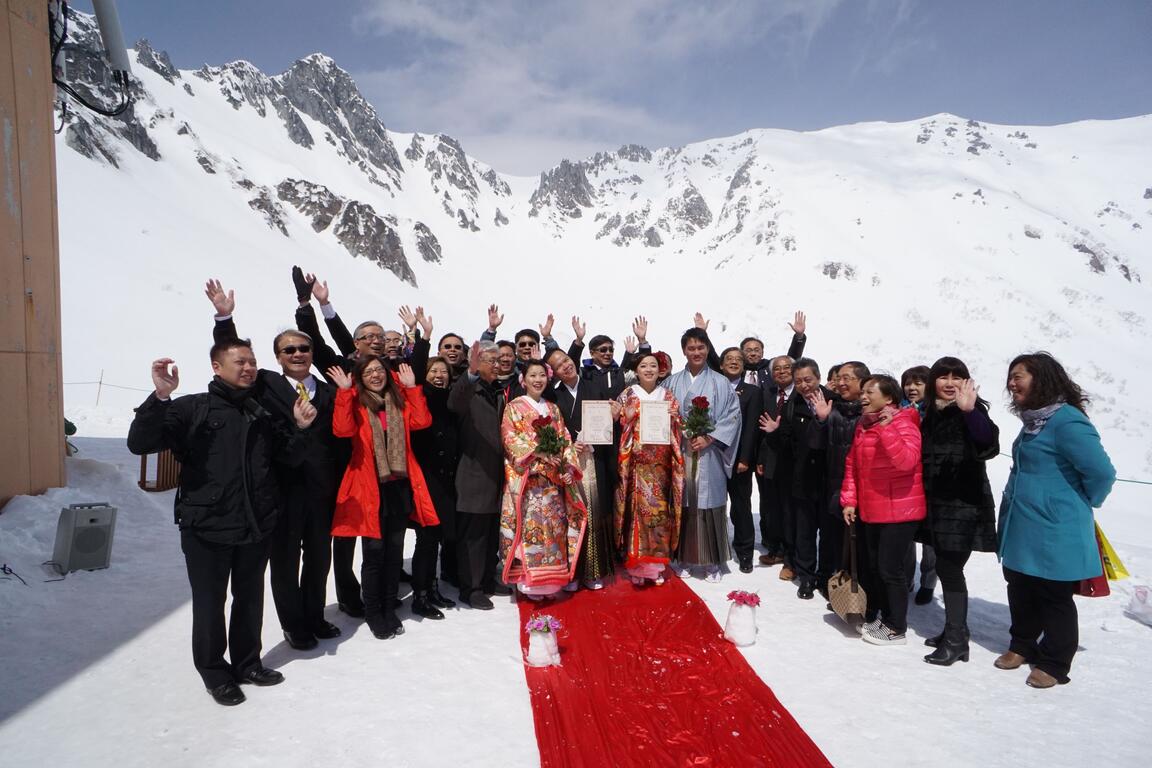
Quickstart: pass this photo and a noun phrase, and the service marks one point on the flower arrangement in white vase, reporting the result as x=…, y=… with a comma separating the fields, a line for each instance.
x=740, y=628
x=543, y=649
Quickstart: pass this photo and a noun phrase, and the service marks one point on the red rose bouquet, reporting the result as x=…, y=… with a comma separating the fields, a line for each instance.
x=548, y=440
x=698, y=422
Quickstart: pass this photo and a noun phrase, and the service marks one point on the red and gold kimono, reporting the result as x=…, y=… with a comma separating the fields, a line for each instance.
x=542, y=521
x=648, y=498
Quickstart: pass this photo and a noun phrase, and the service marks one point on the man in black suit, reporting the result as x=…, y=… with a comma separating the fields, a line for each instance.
x=569, y=391
x=740, y=484
x=757, y=370
x=773, y=474
x=305, y=523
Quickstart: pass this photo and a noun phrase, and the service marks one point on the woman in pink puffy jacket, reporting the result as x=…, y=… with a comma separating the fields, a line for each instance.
x=882, y=481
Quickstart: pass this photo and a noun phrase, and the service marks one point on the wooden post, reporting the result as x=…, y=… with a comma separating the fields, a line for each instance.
x=32, y=451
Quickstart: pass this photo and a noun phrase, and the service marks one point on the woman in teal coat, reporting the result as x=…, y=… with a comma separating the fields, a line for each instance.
x=1047, y=534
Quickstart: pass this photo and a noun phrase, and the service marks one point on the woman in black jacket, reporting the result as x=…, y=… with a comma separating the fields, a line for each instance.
x=958, y=439
x=435, y=449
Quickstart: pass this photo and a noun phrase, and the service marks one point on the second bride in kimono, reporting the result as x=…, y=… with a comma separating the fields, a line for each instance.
x=542, y=519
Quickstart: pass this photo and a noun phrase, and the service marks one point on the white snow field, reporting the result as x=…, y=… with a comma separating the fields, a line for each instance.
x=96, y=669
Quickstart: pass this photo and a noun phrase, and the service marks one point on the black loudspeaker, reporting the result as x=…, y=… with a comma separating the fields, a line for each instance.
x=84, y=537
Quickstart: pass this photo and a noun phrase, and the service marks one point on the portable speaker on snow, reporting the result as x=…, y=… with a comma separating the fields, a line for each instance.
x=84, y=537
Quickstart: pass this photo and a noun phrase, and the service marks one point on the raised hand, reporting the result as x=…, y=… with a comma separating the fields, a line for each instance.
x=630, y=344
x=225, y=303
x=407, y=316
x=799, y=324
x=319, y=289
x=474, y=356
x=303, y=412
x=494, y=317
x=164, y=380
x=640, y=328
x=821, y=406
x=546, y=329
x=578, y=328
x=968, y=395
x=425, y=322
x=340, y=377
x=406, y=375
x=303, y=287
x=700, y=322
x=769, y=425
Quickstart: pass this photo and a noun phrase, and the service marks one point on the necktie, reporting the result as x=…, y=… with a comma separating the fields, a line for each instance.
x=303, y=391
x=780, y=403
x=750, y=377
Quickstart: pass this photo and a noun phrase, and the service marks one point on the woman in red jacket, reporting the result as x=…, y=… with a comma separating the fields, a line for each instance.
x=882, y=478
x=383, y=486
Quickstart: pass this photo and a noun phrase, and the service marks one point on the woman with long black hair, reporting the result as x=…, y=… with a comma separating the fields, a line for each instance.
x=1047, y=532
x=958, y=439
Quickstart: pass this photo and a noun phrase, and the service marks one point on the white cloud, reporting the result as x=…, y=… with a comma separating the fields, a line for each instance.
x=570, y=75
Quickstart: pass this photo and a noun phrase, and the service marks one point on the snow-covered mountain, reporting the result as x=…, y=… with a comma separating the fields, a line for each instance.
x=902, y=241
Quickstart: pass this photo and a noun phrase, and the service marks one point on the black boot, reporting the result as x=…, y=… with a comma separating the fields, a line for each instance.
x=437, y=599
x=421, y=606
x=386, y=625
x=934, y=642
x=953, y=648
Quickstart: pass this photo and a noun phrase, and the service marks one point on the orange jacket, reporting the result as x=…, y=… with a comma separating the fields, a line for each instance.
x=358, y=502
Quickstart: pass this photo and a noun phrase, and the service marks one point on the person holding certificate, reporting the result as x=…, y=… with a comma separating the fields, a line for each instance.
x=542, y=518
x=590, y=417
x=650, y=491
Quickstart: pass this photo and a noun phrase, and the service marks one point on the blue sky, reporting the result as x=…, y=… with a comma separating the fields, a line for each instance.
x=524, y=83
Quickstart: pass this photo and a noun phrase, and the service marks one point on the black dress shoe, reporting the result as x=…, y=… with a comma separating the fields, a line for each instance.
x=498, y=589
x=228, y=694
x=385, y=627
x=479, y=601
x=326, y=631
x=300, y=641
x=421, y=606
x=437, y=599
x=262, y=676
x=355, y=610
x=746, y=566
x=806, y=591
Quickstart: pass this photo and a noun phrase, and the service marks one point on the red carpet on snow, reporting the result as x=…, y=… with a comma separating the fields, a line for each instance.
x=648, y=680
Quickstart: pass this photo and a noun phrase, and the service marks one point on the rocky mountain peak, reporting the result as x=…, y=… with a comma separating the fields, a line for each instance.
x=565, y=188
x=157, y=61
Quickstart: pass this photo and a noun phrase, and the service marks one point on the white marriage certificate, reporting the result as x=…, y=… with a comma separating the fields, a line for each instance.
x=655, y=422
x=596, y=422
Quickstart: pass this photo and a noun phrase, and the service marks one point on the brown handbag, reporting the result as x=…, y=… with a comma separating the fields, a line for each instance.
x=844, y=590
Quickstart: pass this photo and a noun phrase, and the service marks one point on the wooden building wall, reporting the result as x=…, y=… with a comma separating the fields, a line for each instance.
x=32, y=425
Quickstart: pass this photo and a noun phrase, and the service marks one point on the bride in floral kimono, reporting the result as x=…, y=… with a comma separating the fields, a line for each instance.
x=542, y=519
x=648, y=498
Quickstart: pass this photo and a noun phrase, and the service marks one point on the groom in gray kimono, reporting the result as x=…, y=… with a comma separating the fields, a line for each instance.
x=704, y=525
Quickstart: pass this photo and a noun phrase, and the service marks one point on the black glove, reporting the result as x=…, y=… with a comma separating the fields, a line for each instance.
x=303, y=287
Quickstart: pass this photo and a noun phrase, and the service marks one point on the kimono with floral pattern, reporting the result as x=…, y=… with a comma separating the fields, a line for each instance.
x=542, y=521
x=649, y=496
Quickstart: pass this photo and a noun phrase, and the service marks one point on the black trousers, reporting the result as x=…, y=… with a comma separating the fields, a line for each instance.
x=740, y=512
x=777, y=531
x=927, y=566
x=832, y=533
x=211, y=567
x=347, y=585
x=477, y=545
x=809, y=517
x=383, y=558
x=1045, y=626
x=302, y=532
x=886, y=584
x=424, y=557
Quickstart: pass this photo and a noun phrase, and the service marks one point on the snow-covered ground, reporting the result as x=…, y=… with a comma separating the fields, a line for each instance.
x=95, y=669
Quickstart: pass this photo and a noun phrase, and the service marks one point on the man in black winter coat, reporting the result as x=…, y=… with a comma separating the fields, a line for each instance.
x=601, y=367
x=309, y=490
x=226, y=505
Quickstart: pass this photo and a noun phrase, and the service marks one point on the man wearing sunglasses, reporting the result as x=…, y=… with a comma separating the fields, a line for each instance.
x=301, y=548
x=601, y=365
x=527, y=341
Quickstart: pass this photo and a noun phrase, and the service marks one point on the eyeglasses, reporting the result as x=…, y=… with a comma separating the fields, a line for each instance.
x=371, y=337
x=451, y=346
x=604, y=349
x=525, y=343
x=373, y=371
x=294, y=348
